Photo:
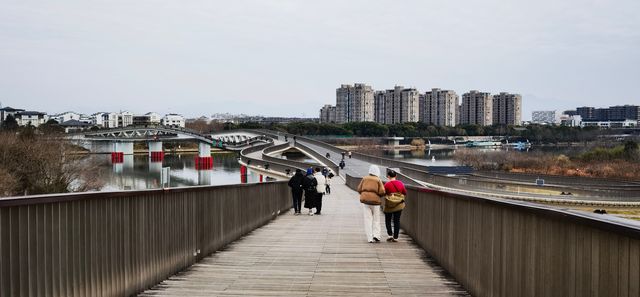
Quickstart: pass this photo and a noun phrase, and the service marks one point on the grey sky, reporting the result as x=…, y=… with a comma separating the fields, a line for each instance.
x=287, y=57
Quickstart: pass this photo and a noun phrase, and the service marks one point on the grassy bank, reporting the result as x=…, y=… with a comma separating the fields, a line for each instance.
x=621, y=161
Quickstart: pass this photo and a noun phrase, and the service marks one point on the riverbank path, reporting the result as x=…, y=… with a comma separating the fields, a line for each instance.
x=321, y=255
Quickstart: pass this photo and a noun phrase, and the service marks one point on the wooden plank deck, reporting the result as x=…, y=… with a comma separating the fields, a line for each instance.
x=325, y=255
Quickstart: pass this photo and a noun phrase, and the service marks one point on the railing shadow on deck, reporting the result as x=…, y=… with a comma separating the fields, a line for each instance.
x=121, y=243
x=496, y=247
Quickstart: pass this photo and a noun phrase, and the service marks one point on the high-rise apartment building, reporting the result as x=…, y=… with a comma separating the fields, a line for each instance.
x=401, y=105
x=507, y=109
x=354, y=103
x=328, y=114
x=624, y=112
x=379, y=107
x=545, y=117
x=439, y=107
x=476, y=109
x=586, y=112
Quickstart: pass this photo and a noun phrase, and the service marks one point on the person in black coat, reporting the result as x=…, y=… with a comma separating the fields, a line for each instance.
x=296, y=190
x=309, y=183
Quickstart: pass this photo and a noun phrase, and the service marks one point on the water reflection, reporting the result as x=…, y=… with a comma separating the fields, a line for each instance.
x=136, y=172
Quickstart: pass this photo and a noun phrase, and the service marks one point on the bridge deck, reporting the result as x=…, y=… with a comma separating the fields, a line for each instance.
x=323, y=255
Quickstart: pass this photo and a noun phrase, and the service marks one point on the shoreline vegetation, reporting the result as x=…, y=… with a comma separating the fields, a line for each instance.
x=621, y=162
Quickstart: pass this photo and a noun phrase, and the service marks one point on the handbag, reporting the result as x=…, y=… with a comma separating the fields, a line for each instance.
x=394, y=201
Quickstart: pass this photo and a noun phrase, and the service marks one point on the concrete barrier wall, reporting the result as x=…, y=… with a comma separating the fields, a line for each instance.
x=121, y=243
x=497, y=247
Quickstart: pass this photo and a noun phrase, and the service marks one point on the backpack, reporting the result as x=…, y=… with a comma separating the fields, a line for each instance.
x=311, y=184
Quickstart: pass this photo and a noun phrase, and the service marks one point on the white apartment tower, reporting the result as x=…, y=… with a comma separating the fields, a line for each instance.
x=354, y=103
x=400, y=105
x=507, y=109
x=439, y=107
x=476, y=109
x=328, y=114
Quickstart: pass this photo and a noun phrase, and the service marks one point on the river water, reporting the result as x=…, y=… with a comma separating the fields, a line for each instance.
x=137, y=172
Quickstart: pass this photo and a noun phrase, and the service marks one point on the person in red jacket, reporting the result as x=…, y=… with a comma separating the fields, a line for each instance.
x=393, y=186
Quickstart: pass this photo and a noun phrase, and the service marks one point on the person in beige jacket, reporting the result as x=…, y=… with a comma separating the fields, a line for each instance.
x=371, y=192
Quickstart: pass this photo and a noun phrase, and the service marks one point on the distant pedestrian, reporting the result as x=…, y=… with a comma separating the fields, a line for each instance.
x=343, y=153
x=328, y=155
x=310, y=185
x=325, y=171
x=328, y=182
x=371, y=191
x=294, y=140
x=393, y=205
x=286, y=138
x=342, y=164
x=296, y=190
x=349, y=154
x=320, y=189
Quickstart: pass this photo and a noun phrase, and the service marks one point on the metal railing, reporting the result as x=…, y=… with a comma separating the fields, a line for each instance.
x=496, y=247
x=121, y=243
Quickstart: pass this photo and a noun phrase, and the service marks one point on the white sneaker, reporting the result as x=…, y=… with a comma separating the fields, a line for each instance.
x=311, y=213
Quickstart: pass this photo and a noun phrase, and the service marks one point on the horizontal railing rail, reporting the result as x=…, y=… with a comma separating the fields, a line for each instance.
x=121, y=243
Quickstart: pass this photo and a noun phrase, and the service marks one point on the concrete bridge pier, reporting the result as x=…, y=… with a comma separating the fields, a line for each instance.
x=119, y=150
x=204, y=177
x=204, y=161
x=156, y=153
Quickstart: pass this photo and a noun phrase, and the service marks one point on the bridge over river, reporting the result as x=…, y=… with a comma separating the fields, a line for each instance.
x=243, y=240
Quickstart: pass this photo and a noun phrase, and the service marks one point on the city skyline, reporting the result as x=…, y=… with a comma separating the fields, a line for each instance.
x=285, y=57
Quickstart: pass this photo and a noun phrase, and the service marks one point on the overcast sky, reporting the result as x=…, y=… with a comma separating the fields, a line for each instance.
x=287, y=58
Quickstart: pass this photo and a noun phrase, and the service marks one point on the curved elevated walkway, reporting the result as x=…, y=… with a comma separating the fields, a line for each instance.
x=324, y=255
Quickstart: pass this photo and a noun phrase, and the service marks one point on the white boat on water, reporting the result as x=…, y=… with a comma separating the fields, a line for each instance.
x=484, y=144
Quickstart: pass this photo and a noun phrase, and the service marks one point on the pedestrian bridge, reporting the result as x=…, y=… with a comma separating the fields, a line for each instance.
x=124, y=137
x=242, y=240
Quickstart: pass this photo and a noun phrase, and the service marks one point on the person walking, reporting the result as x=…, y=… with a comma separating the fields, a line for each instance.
x=371, y=190
x=320, y=189
x=296, y=190
x=328, y=182
x=343, y=153
x=325, y=171
x=310, y=185
x=342, y=164
x=349, y=154
x=393, y=205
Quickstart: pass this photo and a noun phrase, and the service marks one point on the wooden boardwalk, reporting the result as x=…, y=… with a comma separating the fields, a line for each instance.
x=325, y=255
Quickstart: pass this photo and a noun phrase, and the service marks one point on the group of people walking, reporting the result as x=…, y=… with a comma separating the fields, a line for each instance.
x=373, y=194
x=315, y=184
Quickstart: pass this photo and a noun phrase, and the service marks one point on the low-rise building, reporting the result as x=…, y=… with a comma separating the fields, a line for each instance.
x=545, y=117
x=72, y=126
x=571, y=120
x=66, y=116
x=154, y=118
x=125, y=119
x=610, y=124
x=32, y=118
x=8, y=111
x=173, y=120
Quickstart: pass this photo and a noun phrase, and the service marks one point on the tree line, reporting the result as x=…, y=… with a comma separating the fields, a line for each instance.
x=533, y=133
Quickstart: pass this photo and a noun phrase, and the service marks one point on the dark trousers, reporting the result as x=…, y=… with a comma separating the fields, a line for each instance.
x=297, y=200
x=327, y=189
x=396, y=223
x=318, y=203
